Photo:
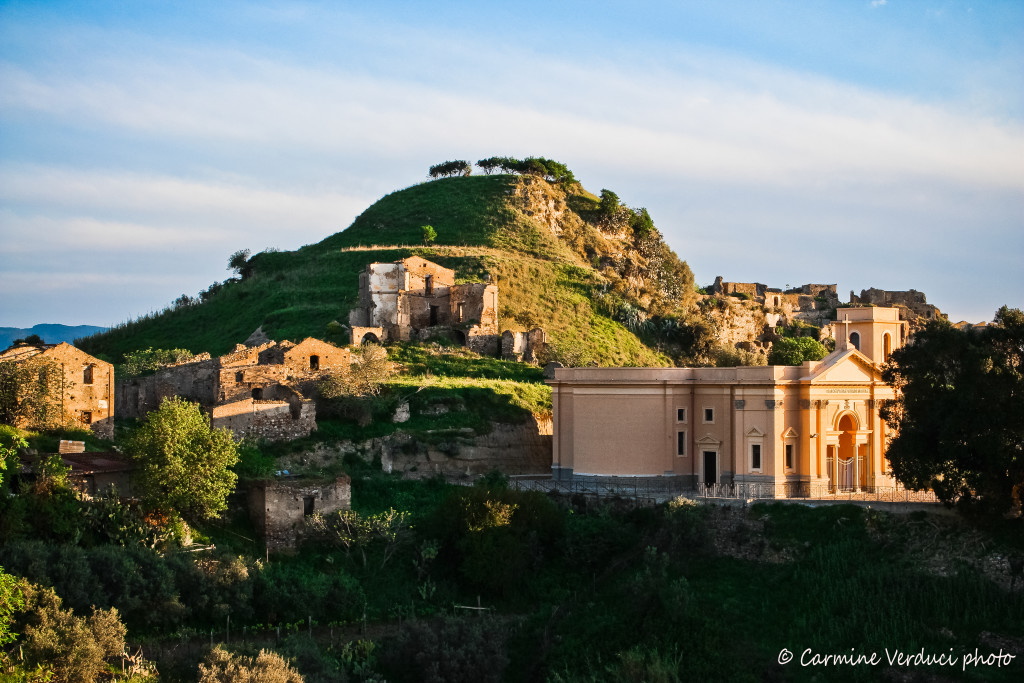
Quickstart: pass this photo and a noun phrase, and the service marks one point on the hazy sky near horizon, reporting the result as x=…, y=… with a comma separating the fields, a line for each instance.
x=865, y=143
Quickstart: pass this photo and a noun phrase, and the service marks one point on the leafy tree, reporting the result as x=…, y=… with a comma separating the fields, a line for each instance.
x=959, y=416
x=609, y=204
x=240, y=264
x=183, y=465
x=489, y=164
x=429, y=234
x=31, y=394
x=641, y=223
x=30, y=340
x=794, y=351
x=451, y=168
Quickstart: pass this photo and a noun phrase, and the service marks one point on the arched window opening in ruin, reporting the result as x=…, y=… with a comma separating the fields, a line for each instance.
x=87, y=375
x=369, y=338
x=886, y=346
x=429, y=284
x=433, y=315
x=314, y=362
x=855, y=340
x=459, y=337
x=461, y=313
x=257, y=394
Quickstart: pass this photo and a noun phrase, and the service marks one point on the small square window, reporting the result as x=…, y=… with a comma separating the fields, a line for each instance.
x=755, y=456
x=680, y=443
x=680, y=414
x=709, y=415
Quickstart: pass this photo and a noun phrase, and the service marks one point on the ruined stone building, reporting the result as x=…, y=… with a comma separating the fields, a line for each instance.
x=416, y=299
x=911, y=300
x=278, y=508
x=87, y=383
x=789, y=431
x=810, y=303
x=253, y=391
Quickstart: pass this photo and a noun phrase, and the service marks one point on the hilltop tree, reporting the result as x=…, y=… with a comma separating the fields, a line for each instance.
x=239, y=263
x=451, y=168
x=959, y=415
x=183, y=464
x=489, y=164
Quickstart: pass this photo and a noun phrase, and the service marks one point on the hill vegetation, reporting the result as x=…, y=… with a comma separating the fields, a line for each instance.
x=563, y=259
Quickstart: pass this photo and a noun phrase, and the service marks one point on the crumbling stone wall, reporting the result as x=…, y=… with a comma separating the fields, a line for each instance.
x=279, y=508
x=523, y=346
x=276, y=419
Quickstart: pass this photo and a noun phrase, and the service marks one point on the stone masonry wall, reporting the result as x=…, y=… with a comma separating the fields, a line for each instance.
x=279, y=508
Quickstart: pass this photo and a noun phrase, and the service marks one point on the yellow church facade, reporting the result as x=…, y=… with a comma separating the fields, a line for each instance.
x=783, y=431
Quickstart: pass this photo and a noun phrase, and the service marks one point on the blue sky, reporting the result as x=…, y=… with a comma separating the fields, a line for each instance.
x=870, y=144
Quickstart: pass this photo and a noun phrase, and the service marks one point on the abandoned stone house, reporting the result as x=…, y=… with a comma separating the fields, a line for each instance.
x=278, y=508
x=87, y=383
x=787, y=431
x=253, y=391
x=416, y=299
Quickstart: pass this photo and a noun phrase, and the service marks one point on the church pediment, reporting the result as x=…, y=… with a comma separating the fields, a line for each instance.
x=847, y=367
x=708, y=440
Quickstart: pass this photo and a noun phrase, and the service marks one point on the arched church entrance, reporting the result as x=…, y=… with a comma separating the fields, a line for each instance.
x=846, y=471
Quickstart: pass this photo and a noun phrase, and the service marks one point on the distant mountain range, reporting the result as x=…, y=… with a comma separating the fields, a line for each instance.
x=51, y=334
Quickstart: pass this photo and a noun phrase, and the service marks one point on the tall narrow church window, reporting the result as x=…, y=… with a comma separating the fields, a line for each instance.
x=680, y=443
x=755, y=456
x=789, y=456
x=855, y=340
x=886, y=346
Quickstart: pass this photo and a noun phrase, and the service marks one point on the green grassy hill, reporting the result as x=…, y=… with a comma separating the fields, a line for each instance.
x=558, y=263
